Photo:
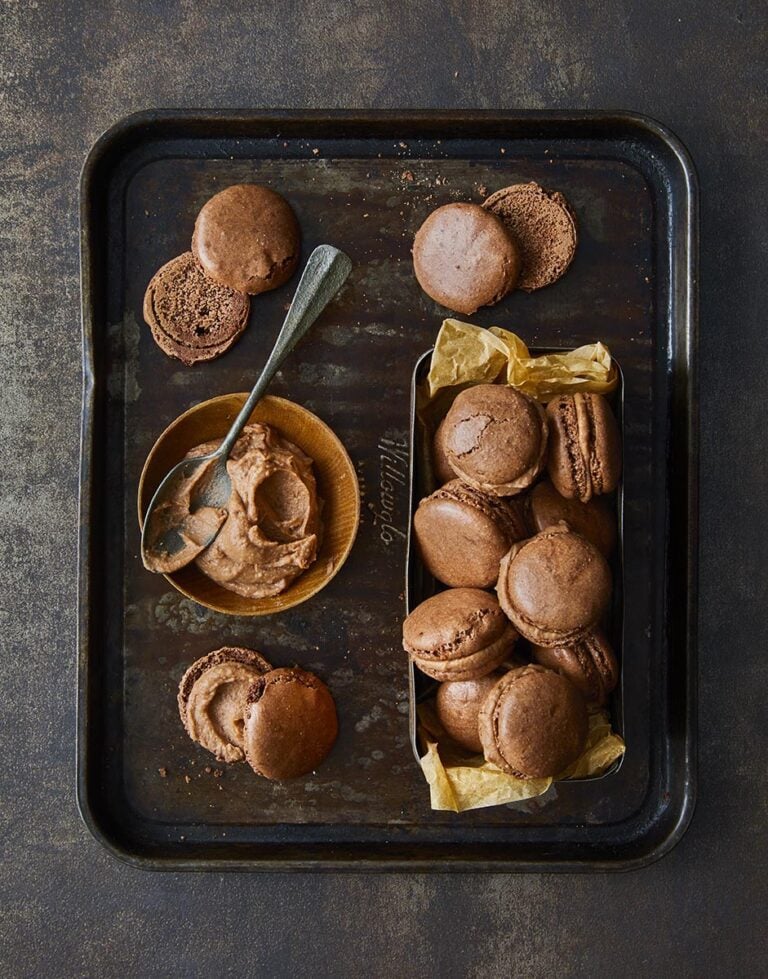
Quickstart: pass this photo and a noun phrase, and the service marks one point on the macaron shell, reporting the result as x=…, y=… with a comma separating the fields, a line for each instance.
x=226, y=654
x=247, y=237
x=554, y=587
x=544, y=225
x=463, y=534
x=464, y=258
x=457, y=704
x=589, y=664
x=290, y=724
x=533, y=724
x=496, y=438
x=211, y=699
x=594, y=520
x=192, y=318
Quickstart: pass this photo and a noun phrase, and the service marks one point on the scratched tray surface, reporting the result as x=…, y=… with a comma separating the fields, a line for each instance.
x=365, y=187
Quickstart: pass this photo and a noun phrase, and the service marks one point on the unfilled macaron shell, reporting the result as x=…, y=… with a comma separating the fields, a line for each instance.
x=589, y=664
x=247, y=237
x=212, y=695
x=554, y=587
x=290, y=723
x=496, y=438
x=191, y=317
x=533, y=723
x=464, y=258
x=543, y=224
x=585, y=446
x=458, y=634
x=462, y=534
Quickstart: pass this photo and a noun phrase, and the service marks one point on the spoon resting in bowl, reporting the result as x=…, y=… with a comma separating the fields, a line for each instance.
x=190, y=504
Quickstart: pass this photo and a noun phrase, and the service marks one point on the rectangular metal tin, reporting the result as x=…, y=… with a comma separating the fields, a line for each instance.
x=633, y=284
x=420, y=584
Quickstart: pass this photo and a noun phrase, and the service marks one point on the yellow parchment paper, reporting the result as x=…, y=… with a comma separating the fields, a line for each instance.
x=465, y=355
x=459, y=781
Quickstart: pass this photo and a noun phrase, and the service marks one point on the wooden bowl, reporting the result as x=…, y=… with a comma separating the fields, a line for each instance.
x=336, y=482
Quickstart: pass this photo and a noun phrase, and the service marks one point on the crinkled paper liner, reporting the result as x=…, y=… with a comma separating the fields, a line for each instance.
x=465, y=355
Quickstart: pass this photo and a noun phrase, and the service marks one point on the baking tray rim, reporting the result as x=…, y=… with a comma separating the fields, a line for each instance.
x=683, y=302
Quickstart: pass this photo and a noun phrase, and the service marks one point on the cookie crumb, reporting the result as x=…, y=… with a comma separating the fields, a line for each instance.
x=407, y=175
x=482, y=190
x=455, y=74
x=403, y=145
x=162, y=772
x=218, y=772
x=208, y=769
x=187, y=779
x=315, y=151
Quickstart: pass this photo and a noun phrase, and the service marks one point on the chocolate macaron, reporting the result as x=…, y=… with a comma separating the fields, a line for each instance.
x=544, y=226
x=533, y=724
x=458, y=704
x=212, y=696
x=585, y=448
x=462, y=534
x=593, y=520
x=554, y=587
x=459, y=634
x=464, y=258
x=589, y=664
x=496, y=438
x=290, y=723
x=247, y=237
x=191, y=317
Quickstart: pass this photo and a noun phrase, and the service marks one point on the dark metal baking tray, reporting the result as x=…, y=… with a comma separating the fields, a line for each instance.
x=420, y=584
x=364, y=182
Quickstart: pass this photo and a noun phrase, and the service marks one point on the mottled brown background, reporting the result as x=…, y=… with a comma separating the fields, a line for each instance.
x=67, y=71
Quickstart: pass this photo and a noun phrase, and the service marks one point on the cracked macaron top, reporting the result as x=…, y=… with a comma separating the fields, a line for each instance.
x=462, y=534
x=212, y=696
x=554, y=587
x=458, y=634
x=496, y=438
x=247, y=237
x=585, y=447
x=533, y=723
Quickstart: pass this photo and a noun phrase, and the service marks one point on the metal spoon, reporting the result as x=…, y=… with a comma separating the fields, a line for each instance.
x=190, y=505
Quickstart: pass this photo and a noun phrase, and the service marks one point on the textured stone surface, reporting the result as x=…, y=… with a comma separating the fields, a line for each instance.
x=67, y=71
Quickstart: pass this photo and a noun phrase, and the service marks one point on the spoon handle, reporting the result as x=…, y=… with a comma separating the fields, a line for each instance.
x=324, y=274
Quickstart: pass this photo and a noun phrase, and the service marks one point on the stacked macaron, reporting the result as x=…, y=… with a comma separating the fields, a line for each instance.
x=281, y=721
x=469, y=255
x=521, y=508
x=246, y=241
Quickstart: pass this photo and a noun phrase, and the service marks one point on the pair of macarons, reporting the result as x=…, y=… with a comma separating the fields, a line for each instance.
x=246, y=241
x=469, y=255
x=283, y=722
